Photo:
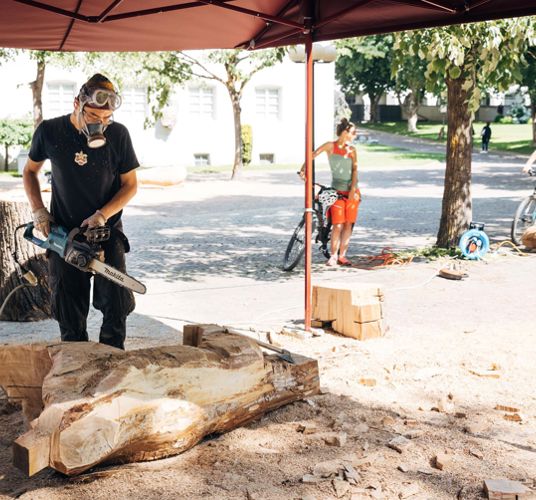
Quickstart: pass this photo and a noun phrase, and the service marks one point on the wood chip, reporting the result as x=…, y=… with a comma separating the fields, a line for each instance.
x=486, y=373
x=340, y=487
x=307, y=428
x=399, y=443
x=476, y=454
x=513, y=417
x=409, y=491
x=335, y=438
x=442, y=460
x=368, y=382
x=510, y=409
x=499, y=489
x=403, y=468
x=310, y=478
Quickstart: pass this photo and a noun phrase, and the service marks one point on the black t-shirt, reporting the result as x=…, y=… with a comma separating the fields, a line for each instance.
x=83, y=179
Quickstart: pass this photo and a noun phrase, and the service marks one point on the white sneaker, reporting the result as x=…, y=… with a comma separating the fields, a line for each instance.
x=332, y=261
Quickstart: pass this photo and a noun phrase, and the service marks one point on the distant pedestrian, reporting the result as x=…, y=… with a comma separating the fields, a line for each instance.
x=486, y=136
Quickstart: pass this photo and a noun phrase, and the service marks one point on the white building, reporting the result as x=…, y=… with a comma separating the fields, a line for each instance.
x=197, y=127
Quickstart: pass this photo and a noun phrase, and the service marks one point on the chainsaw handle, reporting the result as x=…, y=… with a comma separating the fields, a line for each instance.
x=28, y=234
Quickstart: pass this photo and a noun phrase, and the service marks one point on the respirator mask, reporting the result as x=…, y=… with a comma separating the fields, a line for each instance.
x=97, y=98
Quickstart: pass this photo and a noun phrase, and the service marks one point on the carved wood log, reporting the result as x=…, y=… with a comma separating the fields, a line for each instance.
x=27, y=303
x=529, y=237
x=104, y=405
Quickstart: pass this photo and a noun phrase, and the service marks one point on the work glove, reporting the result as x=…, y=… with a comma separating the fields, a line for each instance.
x=96, y=220
x=42, y=220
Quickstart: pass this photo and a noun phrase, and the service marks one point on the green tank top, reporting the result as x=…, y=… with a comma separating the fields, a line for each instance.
x=340, y=164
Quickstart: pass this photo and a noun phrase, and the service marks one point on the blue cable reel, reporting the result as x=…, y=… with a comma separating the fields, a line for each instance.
x=474, y=243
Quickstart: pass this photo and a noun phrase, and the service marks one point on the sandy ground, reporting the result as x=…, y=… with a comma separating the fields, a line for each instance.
x=210, y=251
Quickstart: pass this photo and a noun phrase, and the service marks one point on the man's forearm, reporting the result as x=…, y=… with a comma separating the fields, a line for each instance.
x=119, y=201
x=33, y=189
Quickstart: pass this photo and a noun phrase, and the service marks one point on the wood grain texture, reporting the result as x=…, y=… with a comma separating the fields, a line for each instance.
x=102, y=404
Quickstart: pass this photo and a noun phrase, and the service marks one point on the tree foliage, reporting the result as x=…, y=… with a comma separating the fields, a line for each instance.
x=159, y=72
x=14, y=132
x=364, y=65
x=528, y=79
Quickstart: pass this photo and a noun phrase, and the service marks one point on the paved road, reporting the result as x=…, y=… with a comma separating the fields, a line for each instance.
x=210, y=251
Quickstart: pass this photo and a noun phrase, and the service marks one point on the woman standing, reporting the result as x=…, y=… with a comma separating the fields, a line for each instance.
x=342, y=157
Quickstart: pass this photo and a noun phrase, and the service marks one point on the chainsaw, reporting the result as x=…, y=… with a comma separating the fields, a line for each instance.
x=81, y=248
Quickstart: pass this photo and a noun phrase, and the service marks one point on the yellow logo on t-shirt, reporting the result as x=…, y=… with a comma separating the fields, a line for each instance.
x=80, y=158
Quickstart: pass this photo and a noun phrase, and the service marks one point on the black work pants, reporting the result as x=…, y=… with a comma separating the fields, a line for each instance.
x=70, y=297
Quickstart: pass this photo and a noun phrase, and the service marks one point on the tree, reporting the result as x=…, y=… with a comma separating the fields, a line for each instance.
x=528, y=79
x=159, y=72
x=408, y=71
x=238, y=66
x=42, y=58
x=364, y=65
x=466, y=58
x=13, y=133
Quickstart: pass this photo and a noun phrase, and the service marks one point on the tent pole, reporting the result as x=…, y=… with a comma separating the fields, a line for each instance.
x=308, y=174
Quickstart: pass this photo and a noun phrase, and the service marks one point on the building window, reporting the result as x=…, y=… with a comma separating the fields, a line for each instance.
x=267, y=102
x=59, y=98
x=201, y=159
x=266, y=158
x=201, y=101
x=133, y=106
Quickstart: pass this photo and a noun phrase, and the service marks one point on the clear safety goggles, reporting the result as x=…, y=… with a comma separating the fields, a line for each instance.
x=100, y=98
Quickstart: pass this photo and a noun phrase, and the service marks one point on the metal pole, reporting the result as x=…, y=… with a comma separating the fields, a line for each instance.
x=308, y=175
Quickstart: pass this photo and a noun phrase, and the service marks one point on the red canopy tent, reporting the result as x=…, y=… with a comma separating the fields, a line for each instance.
x=151, y=25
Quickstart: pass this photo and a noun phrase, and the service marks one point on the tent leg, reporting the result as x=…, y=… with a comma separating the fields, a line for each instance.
x=308, y=176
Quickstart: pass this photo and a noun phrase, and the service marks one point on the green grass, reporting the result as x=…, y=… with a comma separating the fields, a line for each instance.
x=513, y=138
x=11, y=173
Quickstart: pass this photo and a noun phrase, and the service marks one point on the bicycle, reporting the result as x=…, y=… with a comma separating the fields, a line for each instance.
x=325, y=197
x=525, y=215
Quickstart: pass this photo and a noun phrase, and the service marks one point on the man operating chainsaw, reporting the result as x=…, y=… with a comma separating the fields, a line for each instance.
x=93, y=178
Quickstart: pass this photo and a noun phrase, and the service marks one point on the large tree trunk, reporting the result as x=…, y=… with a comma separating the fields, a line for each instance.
x=456, y=211
x=237, y=116
x=105, y=405
x=533, y=118
x=26, y=303
x=374, y=111
x=37, y=91
x=6, y=158
x=410, y=107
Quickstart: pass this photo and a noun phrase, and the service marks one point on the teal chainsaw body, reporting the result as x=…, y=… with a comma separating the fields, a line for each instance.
x=81, y=248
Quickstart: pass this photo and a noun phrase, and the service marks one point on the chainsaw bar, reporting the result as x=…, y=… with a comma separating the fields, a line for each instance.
x=116, y=276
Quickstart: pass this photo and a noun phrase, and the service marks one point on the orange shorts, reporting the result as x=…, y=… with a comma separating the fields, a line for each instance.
x=344, y=210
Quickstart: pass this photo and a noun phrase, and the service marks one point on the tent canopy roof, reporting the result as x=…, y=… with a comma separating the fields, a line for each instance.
x=151, y=25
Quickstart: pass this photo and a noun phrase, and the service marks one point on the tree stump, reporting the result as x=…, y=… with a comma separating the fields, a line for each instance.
x=27, y=303
x=104, y=405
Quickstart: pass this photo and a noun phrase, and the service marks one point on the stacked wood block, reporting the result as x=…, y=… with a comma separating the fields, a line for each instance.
x=354, y=309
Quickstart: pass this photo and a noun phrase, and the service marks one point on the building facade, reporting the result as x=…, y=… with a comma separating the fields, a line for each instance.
x=197, y=127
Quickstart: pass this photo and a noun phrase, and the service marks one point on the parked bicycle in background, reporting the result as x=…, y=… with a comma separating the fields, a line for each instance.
x=525, y=215
x=324, y=198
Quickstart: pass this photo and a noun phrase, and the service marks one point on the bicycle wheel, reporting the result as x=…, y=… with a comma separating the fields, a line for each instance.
x=296, y=246
x=524, y=218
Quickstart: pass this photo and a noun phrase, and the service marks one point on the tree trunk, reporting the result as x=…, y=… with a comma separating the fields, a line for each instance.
x=27, y=303
x=411, y=109
x=37, y=91
x=237, y=115
x=6, y=161
x=533, y=117
x=456, y=211
x=374, y=113
x=105, y=405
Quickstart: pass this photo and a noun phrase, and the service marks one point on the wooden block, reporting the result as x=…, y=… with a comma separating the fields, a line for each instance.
x=365, y=331
x=31, y=453
x=503, y=489
x=529, y=237
x=365, y=312
x=189, y=335
x=348, y=303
